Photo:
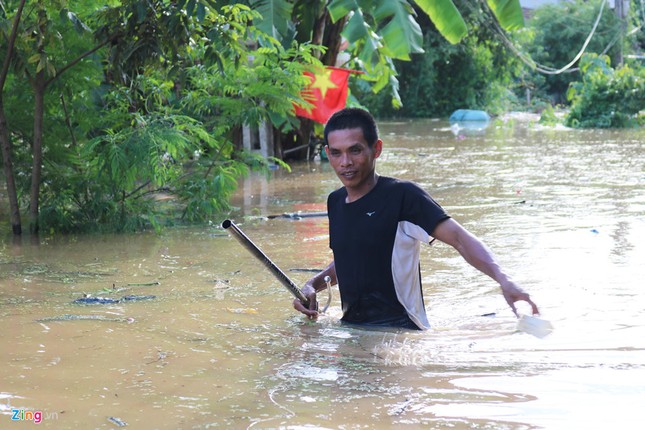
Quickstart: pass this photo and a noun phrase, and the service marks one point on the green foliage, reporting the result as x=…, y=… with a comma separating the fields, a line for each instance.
x=637, y=20
x=264, y=89
x=49, y=38
x=145, y=134
x=606, y=97
x=272, y=21
x=508, y=12
x=556, y=34
x=475, y=74
x=144, y=101
x=446, y=18
x=157, y=140
x=379, y=33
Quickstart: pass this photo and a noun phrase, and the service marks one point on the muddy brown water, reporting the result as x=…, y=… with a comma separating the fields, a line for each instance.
x=221, y=347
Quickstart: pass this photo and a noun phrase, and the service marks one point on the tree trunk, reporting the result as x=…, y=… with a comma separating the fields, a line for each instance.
x=621, y=8
x=37, y=151
x=5, y=142
x=5, y=138
x=327, y=34
x=306, y=124
x=332, y=40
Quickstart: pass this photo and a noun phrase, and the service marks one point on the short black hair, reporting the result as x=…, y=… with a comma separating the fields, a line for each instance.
x=353, y=118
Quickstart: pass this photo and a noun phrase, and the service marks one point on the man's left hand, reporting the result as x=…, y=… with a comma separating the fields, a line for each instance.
x=512, y=293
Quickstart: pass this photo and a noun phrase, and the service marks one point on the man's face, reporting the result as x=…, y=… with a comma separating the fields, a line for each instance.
x=352, y=159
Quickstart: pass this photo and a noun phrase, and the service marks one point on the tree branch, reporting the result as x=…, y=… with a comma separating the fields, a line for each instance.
x=10, y=46
x=78, y=59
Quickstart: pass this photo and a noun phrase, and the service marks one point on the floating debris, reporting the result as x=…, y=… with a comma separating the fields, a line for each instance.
x=74, y=317
x=133, y=298
x=143, y=284
x=298, y=215
x=88, y=300
x=304, y=269
x=242, y=311
x=96, y=301
x=117, y=421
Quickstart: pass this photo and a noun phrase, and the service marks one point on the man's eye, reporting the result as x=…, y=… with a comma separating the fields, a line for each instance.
x=356, y=150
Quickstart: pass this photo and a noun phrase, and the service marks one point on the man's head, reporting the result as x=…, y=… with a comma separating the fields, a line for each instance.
x=349, y=118
x=352, y=147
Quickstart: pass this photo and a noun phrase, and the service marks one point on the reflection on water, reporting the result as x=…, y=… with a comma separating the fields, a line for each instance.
x=221, y=347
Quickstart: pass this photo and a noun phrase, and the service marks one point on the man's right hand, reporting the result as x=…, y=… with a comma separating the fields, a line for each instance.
x=312, y=311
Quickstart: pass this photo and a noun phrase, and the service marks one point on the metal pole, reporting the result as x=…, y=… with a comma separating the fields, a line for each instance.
x=257, y=252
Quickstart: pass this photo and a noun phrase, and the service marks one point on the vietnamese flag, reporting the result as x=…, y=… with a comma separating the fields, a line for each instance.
x=327, y=92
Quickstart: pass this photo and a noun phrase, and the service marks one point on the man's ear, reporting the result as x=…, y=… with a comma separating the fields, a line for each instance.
x=378, y=147
x=327, y=150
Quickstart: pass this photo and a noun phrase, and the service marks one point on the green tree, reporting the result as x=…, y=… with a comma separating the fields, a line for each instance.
x=130, y=121
x=40, y=49
x=182, y=141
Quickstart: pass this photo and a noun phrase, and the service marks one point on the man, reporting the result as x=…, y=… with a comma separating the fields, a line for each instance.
x=376, y=226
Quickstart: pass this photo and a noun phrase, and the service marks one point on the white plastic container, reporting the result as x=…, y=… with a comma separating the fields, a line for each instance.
x=535, y=326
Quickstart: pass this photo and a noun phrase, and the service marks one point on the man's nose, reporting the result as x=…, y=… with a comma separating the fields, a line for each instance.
x=345, y=160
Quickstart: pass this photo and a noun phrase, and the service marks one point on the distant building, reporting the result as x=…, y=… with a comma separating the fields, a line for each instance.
x=528, y=6
x=533, y=4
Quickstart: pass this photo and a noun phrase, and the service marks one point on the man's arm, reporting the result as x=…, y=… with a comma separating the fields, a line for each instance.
x=311, y=287
x=479, y=256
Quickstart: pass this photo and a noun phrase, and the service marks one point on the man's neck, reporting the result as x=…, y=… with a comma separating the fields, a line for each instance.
x=354, y=194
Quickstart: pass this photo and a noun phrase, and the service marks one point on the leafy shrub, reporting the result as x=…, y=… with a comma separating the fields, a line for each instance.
x=606, y=98
x=548, y=117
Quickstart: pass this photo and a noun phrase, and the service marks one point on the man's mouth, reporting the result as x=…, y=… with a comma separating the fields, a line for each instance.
x=348, y=174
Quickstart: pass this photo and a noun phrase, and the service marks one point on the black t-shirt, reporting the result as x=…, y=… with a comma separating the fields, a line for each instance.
x=376, y=245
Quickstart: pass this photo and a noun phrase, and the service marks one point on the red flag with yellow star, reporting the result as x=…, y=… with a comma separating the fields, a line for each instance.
x=327, y=92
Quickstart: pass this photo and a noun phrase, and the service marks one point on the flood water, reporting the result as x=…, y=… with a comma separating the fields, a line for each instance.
x=221, y=347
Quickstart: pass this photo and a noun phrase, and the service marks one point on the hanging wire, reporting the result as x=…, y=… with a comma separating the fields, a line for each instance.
x=547, y=70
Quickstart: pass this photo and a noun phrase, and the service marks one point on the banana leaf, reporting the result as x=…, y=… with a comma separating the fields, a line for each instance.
x=446, y=17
